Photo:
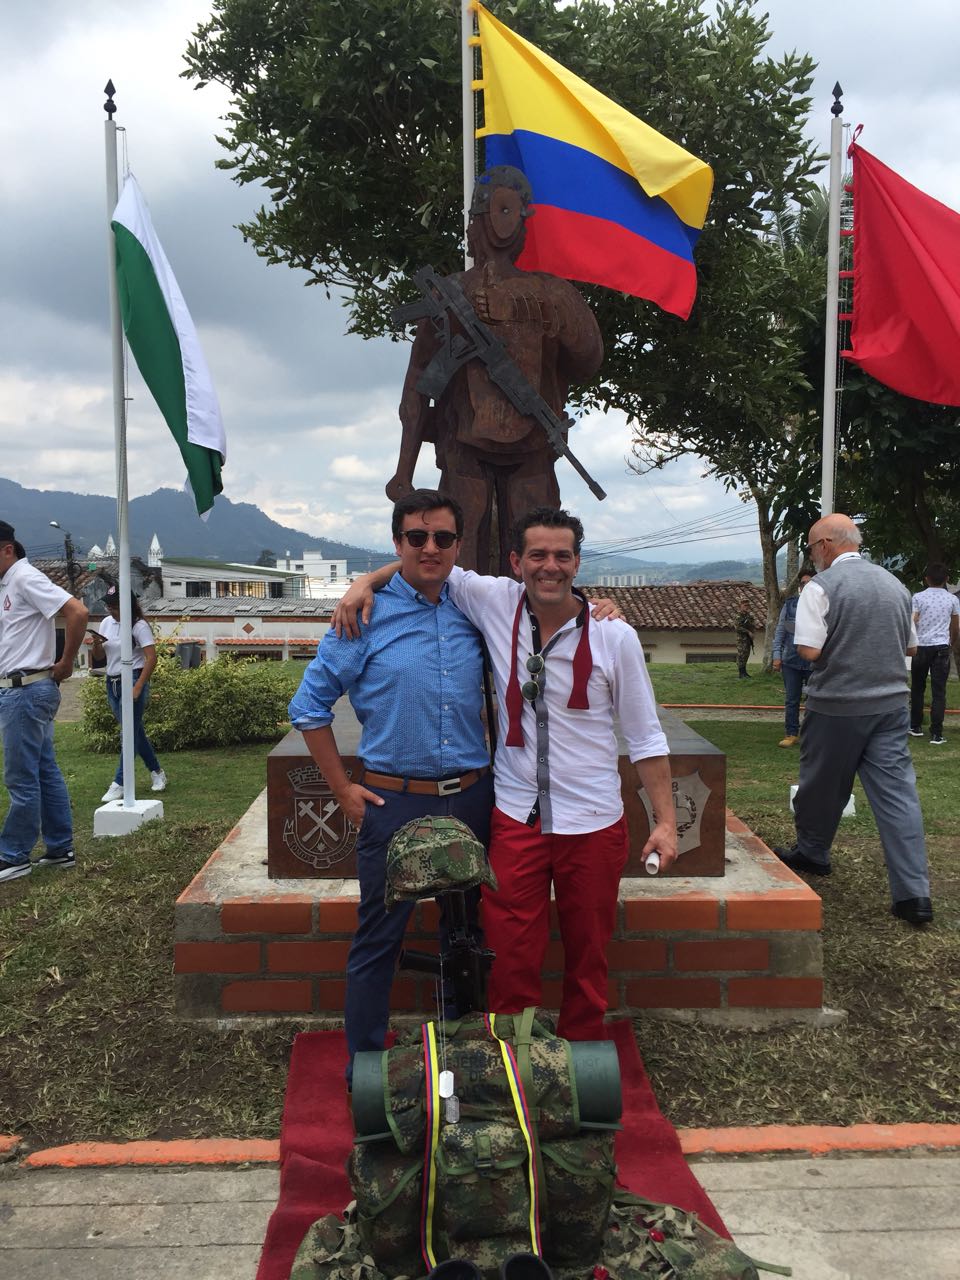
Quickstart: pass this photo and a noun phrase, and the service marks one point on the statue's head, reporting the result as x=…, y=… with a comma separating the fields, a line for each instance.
x=500, y=206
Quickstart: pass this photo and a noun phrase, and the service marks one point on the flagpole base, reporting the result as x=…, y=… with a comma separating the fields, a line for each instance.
x=114, y=819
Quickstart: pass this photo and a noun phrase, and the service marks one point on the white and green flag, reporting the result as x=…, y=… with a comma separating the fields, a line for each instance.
x=164, y=343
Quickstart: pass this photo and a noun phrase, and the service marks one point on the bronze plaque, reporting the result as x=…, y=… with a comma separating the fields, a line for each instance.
x=307, y=832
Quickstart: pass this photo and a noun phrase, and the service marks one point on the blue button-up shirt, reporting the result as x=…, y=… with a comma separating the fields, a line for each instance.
x=414, y=679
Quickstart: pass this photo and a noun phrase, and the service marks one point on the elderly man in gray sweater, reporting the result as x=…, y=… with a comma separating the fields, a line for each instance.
x=855, y=624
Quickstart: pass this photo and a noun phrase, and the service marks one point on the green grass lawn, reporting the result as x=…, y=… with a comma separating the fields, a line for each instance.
x=717, y=684
x=90, y=1046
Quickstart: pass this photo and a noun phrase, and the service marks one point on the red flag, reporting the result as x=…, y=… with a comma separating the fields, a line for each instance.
x=906, y=284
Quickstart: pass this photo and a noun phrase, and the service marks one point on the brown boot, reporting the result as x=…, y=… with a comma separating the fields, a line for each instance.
x=790, y=740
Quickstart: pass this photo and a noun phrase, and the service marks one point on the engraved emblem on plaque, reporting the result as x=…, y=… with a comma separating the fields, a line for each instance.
x=319, y=832
x=690, y=796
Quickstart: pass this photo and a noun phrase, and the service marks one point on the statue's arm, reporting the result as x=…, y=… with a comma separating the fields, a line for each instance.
x=578, y=335
x=415, y=413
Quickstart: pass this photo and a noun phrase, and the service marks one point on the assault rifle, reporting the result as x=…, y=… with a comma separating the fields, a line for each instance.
x=465, y=962
x=443, y=299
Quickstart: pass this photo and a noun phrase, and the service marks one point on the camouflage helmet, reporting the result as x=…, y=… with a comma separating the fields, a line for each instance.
x=431, y=855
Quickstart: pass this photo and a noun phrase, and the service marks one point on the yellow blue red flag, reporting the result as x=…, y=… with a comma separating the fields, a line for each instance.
x=617, y=204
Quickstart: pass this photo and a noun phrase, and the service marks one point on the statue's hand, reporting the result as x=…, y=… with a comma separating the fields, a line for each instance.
x=398, y=487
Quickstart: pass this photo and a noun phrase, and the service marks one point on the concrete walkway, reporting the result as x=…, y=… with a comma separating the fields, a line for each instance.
x=875, y=1217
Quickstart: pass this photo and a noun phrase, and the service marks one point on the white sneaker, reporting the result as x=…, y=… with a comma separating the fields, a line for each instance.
x=113, y=792
x=158, y=781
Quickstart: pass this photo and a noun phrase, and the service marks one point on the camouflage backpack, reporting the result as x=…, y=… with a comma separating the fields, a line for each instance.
x=527, y=1165
x=643, y=1241
x=432, y=855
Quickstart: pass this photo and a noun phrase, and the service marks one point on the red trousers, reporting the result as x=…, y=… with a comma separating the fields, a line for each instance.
x=585, y=871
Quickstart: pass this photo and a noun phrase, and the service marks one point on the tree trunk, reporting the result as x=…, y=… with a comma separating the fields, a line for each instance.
x=771, y=586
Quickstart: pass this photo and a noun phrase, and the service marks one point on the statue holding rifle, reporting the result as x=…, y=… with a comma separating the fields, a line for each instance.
x=495, y=352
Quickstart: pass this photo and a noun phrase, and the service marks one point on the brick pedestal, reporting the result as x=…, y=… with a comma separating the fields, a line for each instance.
x=247, y=946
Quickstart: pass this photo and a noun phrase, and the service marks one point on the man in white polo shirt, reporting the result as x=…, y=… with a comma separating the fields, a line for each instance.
x=29, y=698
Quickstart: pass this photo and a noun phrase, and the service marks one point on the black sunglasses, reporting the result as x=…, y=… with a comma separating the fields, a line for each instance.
x=530, y=689
x=417, y=538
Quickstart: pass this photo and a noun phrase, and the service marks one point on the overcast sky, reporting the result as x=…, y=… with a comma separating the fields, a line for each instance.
x=310, y=414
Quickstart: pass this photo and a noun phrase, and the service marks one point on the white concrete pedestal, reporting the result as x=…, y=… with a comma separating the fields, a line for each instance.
x=114, y=820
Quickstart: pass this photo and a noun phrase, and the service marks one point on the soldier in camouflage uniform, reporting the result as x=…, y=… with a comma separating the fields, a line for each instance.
x=744, y=625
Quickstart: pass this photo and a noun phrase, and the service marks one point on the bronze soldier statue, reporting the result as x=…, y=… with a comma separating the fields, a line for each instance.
x=491, y=455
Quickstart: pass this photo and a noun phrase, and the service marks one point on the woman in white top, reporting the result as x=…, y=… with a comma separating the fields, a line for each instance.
x=144, y=661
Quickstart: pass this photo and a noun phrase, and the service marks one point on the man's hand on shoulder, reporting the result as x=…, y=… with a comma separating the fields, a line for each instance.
x=357, y=600
x=606, y=610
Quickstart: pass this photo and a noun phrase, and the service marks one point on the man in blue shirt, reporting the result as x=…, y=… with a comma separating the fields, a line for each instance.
x=414, y=680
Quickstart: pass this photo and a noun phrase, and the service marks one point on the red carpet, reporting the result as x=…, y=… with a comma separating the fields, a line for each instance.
x=317, y=1133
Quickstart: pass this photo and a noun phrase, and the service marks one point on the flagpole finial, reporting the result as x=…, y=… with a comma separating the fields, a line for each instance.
x=837, y=108
x=109, y=106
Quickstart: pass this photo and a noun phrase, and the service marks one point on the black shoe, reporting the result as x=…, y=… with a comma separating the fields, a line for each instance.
x=63, y=860
x=917, y=911
x=14, y=870
x=792, y=857
x=455, y=1269
x=524, y=1266
x=915, y=733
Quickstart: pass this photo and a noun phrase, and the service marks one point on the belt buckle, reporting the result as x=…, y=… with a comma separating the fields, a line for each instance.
x=448, y=787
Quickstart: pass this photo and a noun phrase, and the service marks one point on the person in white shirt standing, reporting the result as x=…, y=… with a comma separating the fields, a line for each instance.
x=936, y=615
x=144, y=662
x=30, y=679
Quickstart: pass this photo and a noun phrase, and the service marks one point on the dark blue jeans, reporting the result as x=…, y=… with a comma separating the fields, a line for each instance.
x=793, y=681
x=932, y=660
x=141, y=743
x=379, y=933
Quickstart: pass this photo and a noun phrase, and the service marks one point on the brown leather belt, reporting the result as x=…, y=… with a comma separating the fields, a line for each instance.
x=424, y=786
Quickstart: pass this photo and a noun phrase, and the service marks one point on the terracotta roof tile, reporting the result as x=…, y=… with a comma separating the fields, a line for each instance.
x=691, y=606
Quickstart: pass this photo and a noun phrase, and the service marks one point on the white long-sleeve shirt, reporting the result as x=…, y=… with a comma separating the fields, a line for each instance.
x=583, y=783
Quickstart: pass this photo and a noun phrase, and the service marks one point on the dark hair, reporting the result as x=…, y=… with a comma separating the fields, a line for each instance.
x=546, y=518
x=425, y=500
x=807, y=571
x=111, y=599
x=937, y=573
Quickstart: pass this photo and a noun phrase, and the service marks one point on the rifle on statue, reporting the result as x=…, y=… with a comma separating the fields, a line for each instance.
x=444, y=299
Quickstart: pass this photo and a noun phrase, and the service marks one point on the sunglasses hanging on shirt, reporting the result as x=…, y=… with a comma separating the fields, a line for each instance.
x=530, y=689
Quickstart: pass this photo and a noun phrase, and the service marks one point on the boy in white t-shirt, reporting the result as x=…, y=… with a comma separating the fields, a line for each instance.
x=936, y=615
x=144, y=660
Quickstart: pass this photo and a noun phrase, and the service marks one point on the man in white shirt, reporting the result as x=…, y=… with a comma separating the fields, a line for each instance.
x=854, y=625
x=936, y=615
x=562, y=683
x=29, y=698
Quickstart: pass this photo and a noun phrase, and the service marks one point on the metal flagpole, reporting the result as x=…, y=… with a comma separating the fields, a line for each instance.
x=467, y=9
x=831, y=353
x=120, y=444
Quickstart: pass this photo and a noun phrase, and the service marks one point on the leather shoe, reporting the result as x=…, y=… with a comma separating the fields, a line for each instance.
x=792, y=857
x=917, y=911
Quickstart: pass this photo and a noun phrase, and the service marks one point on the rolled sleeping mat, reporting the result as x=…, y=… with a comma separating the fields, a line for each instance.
x=596, y=1073
x=369, y=1107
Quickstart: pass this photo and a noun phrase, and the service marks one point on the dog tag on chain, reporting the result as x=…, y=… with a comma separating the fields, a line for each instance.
x=445, y=1084
x=451, y=1109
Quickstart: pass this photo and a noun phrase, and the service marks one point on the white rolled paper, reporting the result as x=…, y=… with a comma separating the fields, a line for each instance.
x=652, y=863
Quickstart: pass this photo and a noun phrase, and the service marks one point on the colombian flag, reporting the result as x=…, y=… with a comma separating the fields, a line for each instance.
x=617, y=204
